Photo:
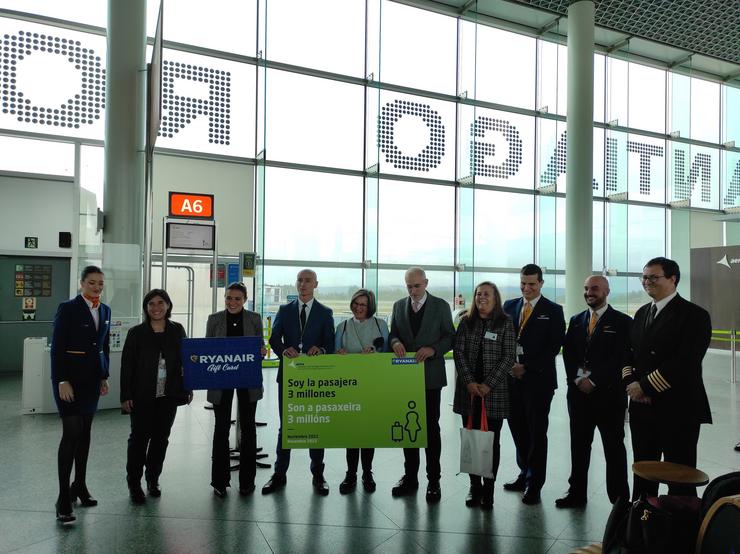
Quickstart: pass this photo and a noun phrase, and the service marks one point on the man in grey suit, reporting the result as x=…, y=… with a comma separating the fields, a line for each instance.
x=422, y=323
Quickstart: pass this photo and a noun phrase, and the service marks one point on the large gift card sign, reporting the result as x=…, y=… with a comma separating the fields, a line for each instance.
x=222, y=363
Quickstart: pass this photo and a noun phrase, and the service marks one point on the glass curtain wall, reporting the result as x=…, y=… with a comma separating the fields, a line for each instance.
x=385, y=136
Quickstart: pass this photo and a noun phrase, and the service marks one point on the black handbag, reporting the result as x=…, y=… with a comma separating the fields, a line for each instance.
x=637, y=528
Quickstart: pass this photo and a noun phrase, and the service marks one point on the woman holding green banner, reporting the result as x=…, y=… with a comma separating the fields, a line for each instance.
x=484, y=352
x=362, y=334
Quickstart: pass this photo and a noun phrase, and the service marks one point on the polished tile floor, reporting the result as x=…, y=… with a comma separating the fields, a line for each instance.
x=188, y=518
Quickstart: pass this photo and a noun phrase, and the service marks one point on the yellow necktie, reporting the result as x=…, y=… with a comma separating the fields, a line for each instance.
x=593, y=322
x=526, y=312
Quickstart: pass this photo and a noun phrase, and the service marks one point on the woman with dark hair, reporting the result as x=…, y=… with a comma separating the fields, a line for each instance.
x=485, y=348
x=151, y=390
x=234, y=321
x=79, y=375
x=363, y=333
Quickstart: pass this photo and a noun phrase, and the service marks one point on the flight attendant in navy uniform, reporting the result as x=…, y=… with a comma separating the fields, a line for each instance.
x=80, y=356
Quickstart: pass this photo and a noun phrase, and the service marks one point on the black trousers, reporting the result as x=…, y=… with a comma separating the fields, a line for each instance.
x=220, y=459
x=494, y=425
x=603, y=410
x=652, y=437
x=434, y=442
x=353, y=459
x=282, y=461
x=528, y=421
x=151, y=423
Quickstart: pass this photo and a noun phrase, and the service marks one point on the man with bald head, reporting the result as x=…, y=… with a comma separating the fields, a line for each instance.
x=593, y=351
x=302, y=327
x=422, y=323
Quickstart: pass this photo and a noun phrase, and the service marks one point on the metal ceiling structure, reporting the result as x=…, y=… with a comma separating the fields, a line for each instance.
x=697, y=37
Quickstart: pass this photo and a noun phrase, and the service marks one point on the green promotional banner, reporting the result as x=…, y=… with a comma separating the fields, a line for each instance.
x=353, y=401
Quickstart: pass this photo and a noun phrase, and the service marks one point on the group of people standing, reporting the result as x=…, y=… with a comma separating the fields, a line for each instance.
x=504, y=355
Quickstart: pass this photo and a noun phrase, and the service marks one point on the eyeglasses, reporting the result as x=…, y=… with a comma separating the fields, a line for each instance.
x=651, y=278
x=358, y=305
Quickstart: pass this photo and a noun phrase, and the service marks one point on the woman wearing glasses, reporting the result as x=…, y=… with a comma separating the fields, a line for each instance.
x=234, y=321
x=362, y=334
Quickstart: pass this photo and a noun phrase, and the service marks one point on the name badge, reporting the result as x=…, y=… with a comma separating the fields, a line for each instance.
x=519, y=350
x=490, y=336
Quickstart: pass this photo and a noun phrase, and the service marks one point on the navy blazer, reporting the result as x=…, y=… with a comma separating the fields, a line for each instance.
x=601, y=353
x=79, y=352
x=286, y=331
x=666, y=360
x=540, y=339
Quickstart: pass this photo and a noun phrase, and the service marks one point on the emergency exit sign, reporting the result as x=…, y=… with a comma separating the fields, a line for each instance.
x=191, y=205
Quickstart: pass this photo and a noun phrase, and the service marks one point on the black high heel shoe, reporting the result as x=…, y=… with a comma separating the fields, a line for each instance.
x=83, y=495
x=64, y=512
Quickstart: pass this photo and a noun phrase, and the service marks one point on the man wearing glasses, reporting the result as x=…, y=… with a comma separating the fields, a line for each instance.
x=663, y=375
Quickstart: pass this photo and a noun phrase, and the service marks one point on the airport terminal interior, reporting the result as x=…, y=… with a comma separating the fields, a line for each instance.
x=357, y=138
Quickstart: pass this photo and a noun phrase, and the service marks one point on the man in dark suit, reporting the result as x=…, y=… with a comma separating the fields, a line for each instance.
x=593, y=349
x=663, y=375
x=540, y=328
x=303, y=326
x=422, y=323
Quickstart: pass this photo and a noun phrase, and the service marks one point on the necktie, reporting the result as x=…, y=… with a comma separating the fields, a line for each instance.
x=651, y=316
x=415, y=305
x=526, y=312
x=593, y=322
x=303, y=317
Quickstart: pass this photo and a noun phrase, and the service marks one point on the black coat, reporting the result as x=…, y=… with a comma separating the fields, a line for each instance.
x=602, y=352
x=541, y=340
x=140, y=361
x=666, y=360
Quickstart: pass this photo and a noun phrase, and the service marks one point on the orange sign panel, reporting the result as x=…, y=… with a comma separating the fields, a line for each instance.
x=192, y=206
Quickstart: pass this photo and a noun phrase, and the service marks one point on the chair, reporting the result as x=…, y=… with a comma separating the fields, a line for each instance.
x=720, y=529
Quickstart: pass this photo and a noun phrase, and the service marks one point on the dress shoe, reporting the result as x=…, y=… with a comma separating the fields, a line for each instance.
x=737, y=447
x=349, y=484
x=531, y=496
x=518, y=484
x=84, y=496
x=246, y=491
x=405, y=486
x=486, y=498
x=64, y=512
x=220, y=492
x=319, y=485
x=153, y=489
x=473, y=497
x=571, y=501
x=368, y=483
x=275, y=483
x=136, y=493
x=434, y=492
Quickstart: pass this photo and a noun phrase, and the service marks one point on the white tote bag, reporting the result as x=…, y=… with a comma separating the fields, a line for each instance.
x=476, y=447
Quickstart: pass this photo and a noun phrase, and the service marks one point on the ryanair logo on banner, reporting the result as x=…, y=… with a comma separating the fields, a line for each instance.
x=222, y=363
x=404, y=361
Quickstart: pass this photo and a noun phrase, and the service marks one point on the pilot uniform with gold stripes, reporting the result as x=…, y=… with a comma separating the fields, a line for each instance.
x=663, y=375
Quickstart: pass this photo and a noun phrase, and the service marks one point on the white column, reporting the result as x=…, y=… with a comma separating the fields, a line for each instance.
x=125, y=121
x=579, y=161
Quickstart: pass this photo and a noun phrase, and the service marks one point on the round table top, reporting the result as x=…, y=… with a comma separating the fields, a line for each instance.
x=670, y=473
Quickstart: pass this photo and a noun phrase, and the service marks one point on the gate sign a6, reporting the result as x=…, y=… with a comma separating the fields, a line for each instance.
x=191, y=206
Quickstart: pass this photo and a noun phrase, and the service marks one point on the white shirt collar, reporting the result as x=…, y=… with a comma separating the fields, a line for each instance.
x=533, y=303
x=90, y=304
x=660, y=304
x=421, y=302
x=600, y=311
x=308, y=304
